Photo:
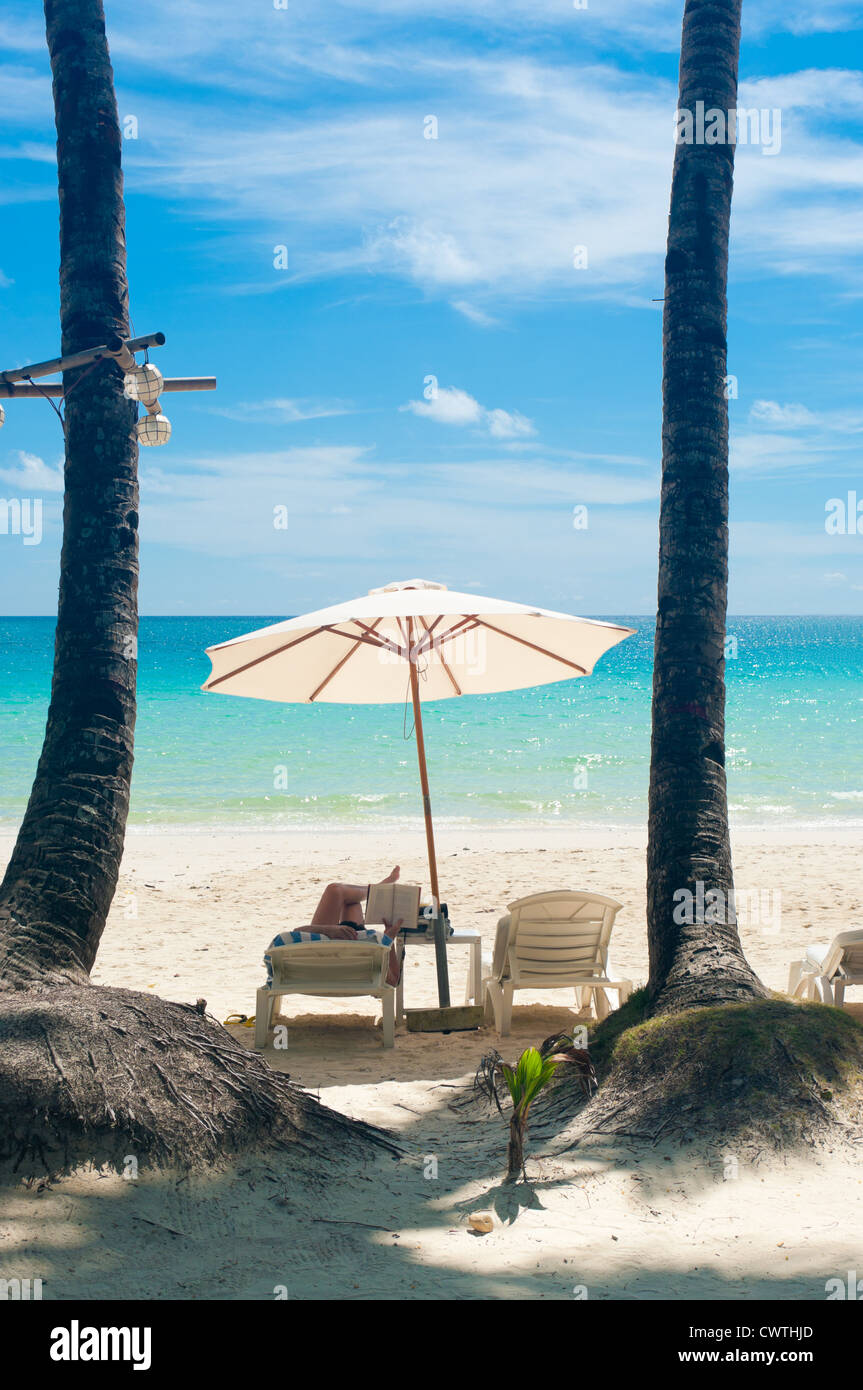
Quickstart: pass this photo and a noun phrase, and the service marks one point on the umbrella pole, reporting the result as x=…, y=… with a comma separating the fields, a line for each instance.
x=439, y=940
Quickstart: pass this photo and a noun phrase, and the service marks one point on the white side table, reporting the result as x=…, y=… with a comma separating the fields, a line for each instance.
x=467, y=936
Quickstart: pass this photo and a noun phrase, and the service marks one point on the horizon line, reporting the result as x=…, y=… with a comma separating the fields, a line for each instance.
x=283, y=617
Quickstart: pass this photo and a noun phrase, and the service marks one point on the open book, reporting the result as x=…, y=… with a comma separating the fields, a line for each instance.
x=390, y=901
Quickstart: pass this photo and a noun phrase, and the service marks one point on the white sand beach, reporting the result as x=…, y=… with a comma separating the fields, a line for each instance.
x=615, y=1218
x=194, y=912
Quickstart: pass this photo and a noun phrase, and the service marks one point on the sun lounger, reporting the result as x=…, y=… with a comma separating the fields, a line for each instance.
x=332, y=969
x=825, y=971
x=553, y=940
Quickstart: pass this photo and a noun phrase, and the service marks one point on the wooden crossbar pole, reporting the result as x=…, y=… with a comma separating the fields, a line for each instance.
x=189, y=383
x=121, y=348
x=26, y=390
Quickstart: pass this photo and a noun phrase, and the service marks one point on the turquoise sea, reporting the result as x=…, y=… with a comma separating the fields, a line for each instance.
x=574, y=752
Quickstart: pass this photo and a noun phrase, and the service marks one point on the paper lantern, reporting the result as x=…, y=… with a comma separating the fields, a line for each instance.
x=153, y=430
x=144, y=384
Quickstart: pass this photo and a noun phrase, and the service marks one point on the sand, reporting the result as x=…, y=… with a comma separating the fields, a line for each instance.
x=613, y=1219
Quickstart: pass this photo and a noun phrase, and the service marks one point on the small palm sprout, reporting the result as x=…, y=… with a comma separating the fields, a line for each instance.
x=530, y=1075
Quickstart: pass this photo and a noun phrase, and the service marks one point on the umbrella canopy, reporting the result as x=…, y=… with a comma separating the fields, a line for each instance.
x=372, y=650
x=357, y=652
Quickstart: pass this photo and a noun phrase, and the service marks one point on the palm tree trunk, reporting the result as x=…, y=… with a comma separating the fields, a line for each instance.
x=61, y=878
x=697, y=962
x=90, y=1073
x=515, y=1148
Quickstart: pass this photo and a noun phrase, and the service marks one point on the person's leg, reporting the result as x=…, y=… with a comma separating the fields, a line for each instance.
x=353, y=911
x=340, y=902
x=397, y=951
x=344, y=902
x=394, y=965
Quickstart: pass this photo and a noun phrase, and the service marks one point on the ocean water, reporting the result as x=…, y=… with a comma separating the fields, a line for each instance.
x=576, y=752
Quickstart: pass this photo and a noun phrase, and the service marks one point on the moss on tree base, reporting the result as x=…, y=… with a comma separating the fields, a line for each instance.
x=770, y=1071
x=98, y=1075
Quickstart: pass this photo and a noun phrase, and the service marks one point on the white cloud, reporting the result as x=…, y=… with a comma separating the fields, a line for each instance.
x=199, y=507
x=448, y=406
x=544, y=485
x=424, y=253
x=476, y=315
x=367, y=512
x=358, y=41
x=769, y=452
x=482, y=207
x=342, y=494
x=781, y=416
x=33, y=475
x=25, y=94
x=768, y=545
x=452, y=406
x=795, y=436
x=283, y=411
x=802, y=16
x=505, y=424
x=485, y=206
x=835, y=89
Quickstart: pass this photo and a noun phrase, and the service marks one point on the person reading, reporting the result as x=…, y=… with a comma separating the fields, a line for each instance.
x=346, y=909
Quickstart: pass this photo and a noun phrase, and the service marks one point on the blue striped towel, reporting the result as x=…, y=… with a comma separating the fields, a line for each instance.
x=294, y=938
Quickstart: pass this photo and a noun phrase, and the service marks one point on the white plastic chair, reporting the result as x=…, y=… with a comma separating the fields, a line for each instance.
x=332, y=969
x=826, y=971
x=553, y=940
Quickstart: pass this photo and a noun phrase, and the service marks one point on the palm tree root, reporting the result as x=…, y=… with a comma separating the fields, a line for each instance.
x=771, y=1072
x=90, y=1074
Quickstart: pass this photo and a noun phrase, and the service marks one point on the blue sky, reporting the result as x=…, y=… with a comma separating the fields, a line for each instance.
x=410, y=257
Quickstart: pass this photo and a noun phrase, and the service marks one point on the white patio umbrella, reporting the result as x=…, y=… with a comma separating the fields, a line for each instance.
x=371, y=650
